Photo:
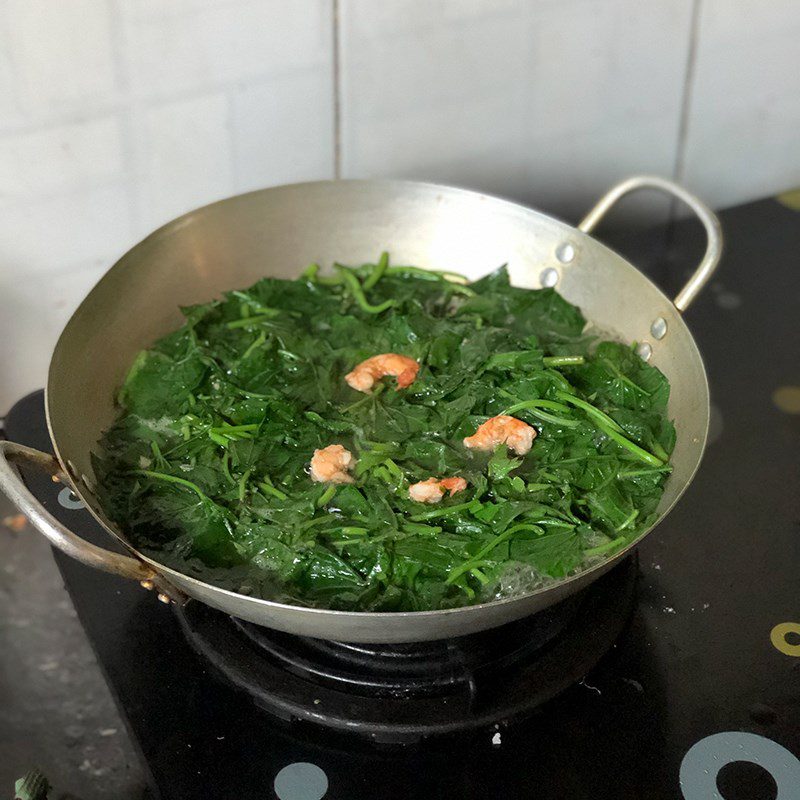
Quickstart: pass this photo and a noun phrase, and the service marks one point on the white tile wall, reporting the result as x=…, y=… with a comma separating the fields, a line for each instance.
x=34, y=311
x=55, y=233
x=45, y=161
x=183, y=149
x=282, y=129
x=548, y=102
x=116, y=115
x=185, y=45
x=744, y=125
x=61, y=55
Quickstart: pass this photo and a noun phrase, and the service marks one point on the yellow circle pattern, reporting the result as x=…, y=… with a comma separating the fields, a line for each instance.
x=778, y=638
x=787, y=399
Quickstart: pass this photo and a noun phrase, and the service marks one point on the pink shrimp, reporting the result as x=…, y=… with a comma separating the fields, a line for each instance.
x=332, y=465
x=433, y=489
x=364, y=375
x=518, y=435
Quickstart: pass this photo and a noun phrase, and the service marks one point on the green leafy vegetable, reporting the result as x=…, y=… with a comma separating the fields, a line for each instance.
x=206, y=467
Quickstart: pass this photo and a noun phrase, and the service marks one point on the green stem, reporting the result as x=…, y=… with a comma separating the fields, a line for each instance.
x=377, y=271
x=310, y=272
x=536, y=403
x=251, y=302
x=604, y=548
x=635, y=473
x=535, y=406
x=592, y=411
x=418, y=529
x=639, y=452
x=160, y=476
x=559, y=379
x=226, y=468
x=312, y=523
x=628, y=520
x=660, y=451
x=368, y=396
x=358, y=293
x=611, y=428
x=243, y=484
x=443, y=512
x=394, y=470
x=552, y=418
x=326, y=496
x=563, y=361
x=268, y=488
x=257, y=342
x=246, y=321
x=457, y=572
x=233, y=429
x=352, y=530
x=430, y=274
x=435, y=275
x=478, y=575
x=624, y=378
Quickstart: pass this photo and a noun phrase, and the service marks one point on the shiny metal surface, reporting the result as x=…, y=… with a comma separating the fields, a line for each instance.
x=713, y=253
x=51, y=528
x=60, y=536
x=278, y=232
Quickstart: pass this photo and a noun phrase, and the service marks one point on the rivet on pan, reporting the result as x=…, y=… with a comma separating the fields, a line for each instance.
x=565, y=252
x=644, y=351
x=147, y=584
x=164, y=598
x=659, y=328
x=549, y=277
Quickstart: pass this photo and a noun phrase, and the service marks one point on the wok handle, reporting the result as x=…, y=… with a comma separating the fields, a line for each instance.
x=709, y=219
x=59, y=535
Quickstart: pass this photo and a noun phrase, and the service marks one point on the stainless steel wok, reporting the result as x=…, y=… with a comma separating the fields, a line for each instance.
x=278, y=232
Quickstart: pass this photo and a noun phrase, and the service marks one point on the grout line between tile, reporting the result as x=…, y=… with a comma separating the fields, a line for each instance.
x=679, y=168
x=337, y=105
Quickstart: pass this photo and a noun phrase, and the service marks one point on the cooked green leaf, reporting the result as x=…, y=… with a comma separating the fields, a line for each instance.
x=206, y=467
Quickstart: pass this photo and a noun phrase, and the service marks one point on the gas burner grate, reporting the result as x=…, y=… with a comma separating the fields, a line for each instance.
x=401, y=694
x=418, y=668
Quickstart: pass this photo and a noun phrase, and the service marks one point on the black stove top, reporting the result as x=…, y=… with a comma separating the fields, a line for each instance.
x=405, y=694
x=699, y=694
